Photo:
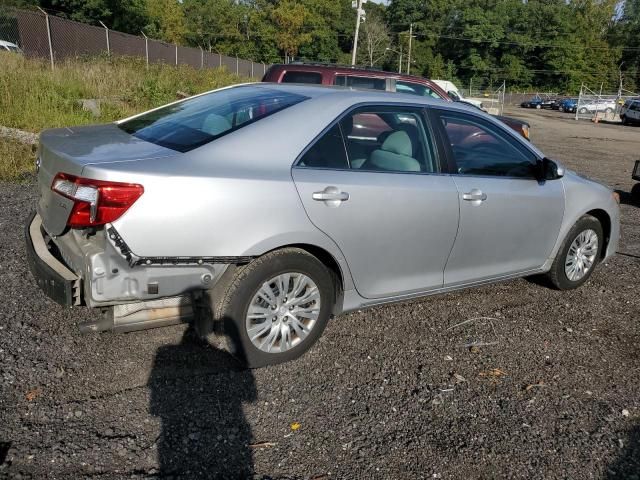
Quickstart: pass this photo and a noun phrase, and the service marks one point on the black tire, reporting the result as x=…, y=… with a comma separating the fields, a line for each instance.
x=583, y=110
x=608, y=110
x=624, y=120
x=635, y=193
x=557, y=275
x=232, y=309
x=538, y=107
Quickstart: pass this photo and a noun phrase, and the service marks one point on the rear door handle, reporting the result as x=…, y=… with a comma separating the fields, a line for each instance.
x=474, y=195
x=330, y=194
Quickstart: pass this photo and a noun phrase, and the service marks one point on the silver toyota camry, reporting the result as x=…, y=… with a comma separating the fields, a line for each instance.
x=260, y=211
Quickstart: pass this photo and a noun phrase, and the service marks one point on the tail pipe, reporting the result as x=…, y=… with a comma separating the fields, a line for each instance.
x=143, y=315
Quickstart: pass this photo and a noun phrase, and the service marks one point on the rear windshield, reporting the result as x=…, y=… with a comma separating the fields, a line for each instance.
x=196, y=121
x=301, y=77
x=370, y=83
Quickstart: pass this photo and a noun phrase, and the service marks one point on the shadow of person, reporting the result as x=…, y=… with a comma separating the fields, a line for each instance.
x=197, y=392
x=627, y=465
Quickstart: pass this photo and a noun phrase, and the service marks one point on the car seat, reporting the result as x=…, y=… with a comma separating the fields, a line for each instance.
x=395, y=154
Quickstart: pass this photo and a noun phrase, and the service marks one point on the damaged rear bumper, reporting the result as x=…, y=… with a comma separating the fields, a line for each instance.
x=52, y=276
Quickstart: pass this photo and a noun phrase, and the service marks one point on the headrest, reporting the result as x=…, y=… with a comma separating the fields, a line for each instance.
x=399, y=143
x=215, y=124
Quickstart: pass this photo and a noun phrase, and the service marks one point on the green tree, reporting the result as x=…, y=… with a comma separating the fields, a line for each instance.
x=166, y=20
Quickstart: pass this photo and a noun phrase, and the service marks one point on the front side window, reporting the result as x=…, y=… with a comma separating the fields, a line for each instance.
x=370, y=83
x=302, y=77
x=196, y=121
x=415, y=89
x=376, y=139
x=480, y=148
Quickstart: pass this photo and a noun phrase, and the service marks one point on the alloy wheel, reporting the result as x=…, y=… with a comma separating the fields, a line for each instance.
x=283, y=312
x=581, y=255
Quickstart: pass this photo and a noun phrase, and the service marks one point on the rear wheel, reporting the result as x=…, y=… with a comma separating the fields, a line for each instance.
x=608, y=110
x=578, y=255
x=624, y=120
x=538, y=107
x=583, y=110
x=277, y=307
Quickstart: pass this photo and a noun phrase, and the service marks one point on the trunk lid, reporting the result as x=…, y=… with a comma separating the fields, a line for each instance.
x=69, y=150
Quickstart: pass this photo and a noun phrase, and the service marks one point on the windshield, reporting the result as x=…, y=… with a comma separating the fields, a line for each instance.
x=196, y=121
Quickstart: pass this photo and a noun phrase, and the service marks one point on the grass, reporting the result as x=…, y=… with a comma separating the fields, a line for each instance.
x=33, y=97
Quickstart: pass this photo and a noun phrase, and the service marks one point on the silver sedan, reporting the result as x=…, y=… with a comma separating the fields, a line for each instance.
x=260, y=211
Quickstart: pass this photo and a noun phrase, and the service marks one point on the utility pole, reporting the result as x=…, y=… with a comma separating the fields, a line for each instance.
x=400, y=60
x=360, y=13
x=409, y=54
x=620, y=87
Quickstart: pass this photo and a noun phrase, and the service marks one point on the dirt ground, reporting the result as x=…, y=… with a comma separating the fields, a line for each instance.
x=390, y=392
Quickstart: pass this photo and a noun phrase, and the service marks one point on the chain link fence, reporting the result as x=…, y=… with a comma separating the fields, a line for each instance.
x=39, y=34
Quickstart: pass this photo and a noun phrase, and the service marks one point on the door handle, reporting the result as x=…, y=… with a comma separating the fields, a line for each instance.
x=474, y=195
x=330, y=194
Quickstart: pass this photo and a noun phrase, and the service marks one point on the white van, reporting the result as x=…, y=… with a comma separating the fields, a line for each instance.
x=455, y=94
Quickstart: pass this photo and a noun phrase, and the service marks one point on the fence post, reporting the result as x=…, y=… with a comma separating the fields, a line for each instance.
x=251, y=68
x=264, y=68
x=146, y=47
x=107, y=32
x=237, y=66
x=176, y=54
x=46, y=19
x=201, y=58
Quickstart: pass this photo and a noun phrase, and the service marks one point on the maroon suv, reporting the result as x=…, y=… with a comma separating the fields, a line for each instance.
x=345, y=76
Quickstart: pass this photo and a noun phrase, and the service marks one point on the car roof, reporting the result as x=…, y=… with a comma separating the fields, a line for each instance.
x=352, y=95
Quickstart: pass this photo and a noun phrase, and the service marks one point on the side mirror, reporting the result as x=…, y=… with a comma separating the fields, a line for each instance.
x=549, y=169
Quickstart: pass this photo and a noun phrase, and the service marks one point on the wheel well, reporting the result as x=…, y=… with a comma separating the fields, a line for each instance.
x=328, y=261
x=605, y=221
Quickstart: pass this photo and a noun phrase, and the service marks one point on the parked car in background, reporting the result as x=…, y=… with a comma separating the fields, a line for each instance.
x=600, y=106
x=533, y=102
x=373, y=80
x=268, y=239
x=568, y=105
x=9, y=47
x=345, y=76
x=630, y=112
x=538, y=102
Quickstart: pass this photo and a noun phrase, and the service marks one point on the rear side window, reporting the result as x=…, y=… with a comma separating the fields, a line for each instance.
x=302, y=77
x=415, y=89
x=381, y=139
x=197, y=121
x=370, y=83
x=327, y=152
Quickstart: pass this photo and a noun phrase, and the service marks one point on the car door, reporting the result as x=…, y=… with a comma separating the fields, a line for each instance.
x=393, y=214
x=509, y=220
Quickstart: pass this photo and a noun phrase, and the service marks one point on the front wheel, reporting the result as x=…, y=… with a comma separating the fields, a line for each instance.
x=583, y=110
x=276, y=307
x=578, y=255
x=624, y=120
x=538, y=107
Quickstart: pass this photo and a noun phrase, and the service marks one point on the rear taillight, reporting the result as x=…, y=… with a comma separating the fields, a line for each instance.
x=95, y=202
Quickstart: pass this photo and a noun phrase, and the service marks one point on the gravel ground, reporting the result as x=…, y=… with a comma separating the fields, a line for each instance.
x=387, y=393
